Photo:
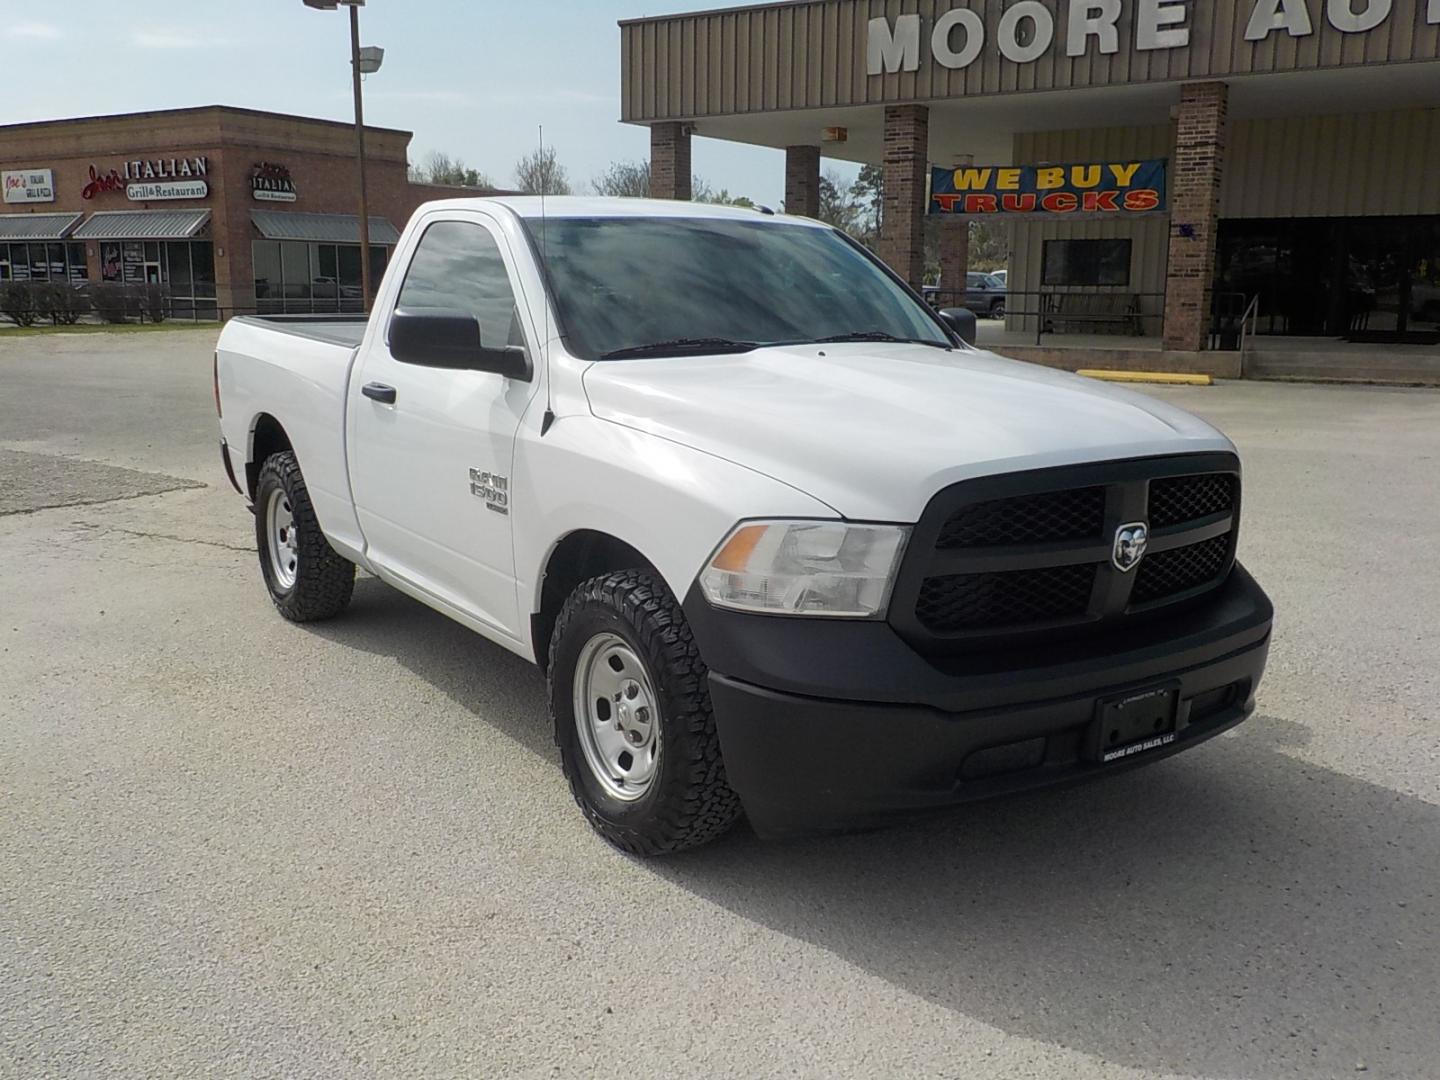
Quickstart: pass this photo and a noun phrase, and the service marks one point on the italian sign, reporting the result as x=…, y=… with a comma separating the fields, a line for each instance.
x=272, y=183
x=1117, y=189
x=167, y=178
x=28, y=185
x=151, y=190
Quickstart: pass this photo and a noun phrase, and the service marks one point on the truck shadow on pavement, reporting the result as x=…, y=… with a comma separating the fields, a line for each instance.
x=1233, y=911
x=497, y=687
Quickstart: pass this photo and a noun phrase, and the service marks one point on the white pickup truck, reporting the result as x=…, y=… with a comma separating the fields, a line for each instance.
x=781, y=539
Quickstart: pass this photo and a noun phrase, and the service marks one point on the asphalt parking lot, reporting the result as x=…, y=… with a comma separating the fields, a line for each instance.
x=234, y=847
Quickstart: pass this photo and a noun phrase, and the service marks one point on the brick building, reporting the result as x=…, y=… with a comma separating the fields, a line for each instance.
x=1291, y=149
x=228, y=209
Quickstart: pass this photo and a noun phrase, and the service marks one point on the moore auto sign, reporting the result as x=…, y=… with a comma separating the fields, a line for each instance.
x=1027, y=30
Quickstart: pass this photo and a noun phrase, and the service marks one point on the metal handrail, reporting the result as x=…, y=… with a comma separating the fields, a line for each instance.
x=1045, y=313
x=1252, y=311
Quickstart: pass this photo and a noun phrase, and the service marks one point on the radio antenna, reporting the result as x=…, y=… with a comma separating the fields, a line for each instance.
x=549, y=417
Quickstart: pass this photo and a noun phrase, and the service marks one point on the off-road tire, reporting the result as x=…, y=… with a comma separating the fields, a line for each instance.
x=689, y=802
x=324, y=580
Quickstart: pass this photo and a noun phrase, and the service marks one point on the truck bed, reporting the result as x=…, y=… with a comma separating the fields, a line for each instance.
x=346, y=330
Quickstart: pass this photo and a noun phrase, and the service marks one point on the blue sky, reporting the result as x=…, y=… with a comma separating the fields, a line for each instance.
x=472, y=78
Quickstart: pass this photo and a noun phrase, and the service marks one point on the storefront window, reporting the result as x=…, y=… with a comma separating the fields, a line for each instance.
x=202, y=261
x=303, y=278
x=110, y=262
x=268, y=292
x=1087, y=262
x=43, y=262
x=295, y=272
x=1364, y=278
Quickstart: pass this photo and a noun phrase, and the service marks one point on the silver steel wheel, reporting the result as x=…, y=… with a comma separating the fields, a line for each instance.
x=283, y=544
x=617, y=716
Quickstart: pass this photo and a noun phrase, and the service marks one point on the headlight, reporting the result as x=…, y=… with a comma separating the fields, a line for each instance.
x=806, y=568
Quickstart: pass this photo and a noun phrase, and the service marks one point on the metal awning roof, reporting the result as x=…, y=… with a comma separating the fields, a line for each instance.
x=325, y=228
x=143, y=225
x=37, y=226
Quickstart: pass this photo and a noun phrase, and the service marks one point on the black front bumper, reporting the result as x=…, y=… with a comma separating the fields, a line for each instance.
x=830, y=725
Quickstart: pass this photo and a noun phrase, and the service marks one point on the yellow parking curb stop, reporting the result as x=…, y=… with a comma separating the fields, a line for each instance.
x=1149, y=377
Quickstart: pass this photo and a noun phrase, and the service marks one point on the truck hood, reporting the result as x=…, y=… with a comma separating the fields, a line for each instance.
x=874, y=430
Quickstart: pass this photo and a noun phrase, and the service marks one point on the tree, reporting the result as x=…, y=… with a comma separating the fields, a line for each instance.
x=868, y=191
x=724, y=198
x=624, y=179
x=989, y=245
x=837, y=203
x=540, y=173
x=440, y=168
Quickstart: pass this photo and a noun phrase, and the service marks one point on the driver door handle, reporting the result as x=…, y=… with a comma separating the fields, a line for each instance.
x=379, y=392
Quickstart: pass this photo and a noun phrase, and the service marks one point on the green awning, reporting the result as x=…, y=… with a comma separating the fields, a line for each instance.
x=143, y=225
x=322, y=228
x=37, y=226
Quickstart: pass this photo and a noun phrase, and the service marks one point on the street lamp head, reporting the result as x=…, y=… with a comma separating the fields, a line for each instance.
x=331, y=5
x=371, y=57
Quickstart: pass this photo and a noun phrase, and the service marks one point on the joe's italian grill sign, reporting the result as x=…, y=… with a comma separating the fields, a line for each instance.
x=1098, y=189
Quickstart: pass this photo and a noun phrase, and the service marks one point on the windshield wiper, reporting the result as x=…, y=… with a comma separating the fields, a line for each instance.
x=682, y=346
x=876, y=335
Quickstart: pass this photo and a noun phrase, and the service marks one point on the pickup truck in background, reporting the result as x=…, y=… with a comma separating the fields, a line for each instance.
x=780, y=538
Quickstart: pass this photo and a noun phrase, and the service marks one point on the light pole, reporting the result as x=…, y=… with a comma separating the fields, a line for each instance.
x=362, y=62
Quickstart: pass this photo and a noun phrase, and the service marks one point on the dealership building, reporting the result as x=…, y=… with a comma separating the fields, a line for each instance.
x=1162, y=164
x=230, y=210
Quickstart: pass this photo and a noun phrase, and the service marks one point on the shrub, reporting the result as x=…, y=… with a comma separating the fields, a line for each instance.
x=60, y=303
x=17, y=303
x=155, y=302
x=111, y=302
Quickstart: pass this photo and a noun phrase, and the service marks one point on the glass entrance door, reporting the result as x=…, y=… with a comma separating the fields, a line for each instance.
x=1423, y=273
x=1373, y=278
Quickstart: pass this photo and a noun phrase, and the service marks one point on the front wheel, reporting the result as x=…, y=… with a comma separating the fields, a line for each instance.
x=631, y=707
x=997, y=309
x=307, y=579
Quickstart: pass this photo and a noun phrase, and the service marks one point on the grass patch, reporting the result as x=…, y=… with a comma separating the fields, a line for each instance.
x=105, y=328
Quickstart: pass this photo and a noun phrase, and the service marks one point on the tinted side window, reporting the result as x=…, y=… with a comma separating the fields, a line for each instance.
x=458, y=265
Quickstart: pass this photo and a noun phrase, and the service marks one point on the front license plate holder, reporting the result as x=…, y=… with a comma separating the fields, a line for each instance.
x=1132, y=724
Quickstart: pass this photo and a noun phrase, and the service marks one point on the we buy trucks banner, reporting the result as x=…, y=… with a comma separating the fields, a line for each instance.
x=1100, y=189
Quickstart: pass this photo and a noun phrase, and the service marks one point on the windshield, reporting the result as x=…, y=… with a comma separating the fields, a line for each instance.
x=667, y=286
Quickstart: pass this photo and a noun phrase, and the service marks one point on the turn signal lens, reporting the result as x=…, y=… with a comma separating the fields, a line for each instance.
x=826, y=568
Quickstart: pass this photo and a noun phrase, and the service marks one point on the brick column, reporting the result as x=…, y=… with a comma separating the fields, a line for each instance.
x=907, y=161
x=670, y=169
x=1198, y=165
x=802, y=180
x=954, y=260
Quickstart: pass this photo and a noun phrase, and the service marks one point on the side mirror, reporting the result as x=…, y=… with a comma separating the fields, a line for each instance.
x=449, y=338
x=963, y=322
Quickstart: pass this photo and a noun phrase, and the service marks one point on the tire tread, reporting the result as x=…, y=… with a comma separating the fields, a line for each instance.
x=325, y=580
x=703, y=807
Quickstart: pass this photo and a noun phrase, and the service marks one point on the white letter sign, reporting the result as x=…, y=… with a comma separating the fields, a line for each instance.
x=891, y=51
x=1344, y=18
x=1151, y=15
x=974, y=37
x=1093, y=18
x=1291, y=16
x=1044, y=26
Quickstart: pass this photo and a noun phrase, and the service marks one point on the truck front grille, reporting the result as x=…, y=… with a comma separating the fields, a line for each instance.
x=1049, y=516
x=1031, y=554
x=1021, y=598
x=1172, y=572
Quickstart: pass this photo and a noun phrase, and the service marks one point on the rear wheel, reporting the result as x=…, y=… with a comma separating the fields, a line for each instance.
x=997, y=309
x=307, y=579
x=631, y=707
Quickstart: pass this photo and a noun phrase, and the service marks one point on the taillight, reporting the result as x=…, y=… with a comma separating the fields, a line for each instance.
x=216, y=373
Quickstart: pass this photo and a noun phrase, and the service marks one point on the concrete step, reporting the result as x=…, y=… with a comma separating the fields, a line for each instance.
x=1395, y=366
